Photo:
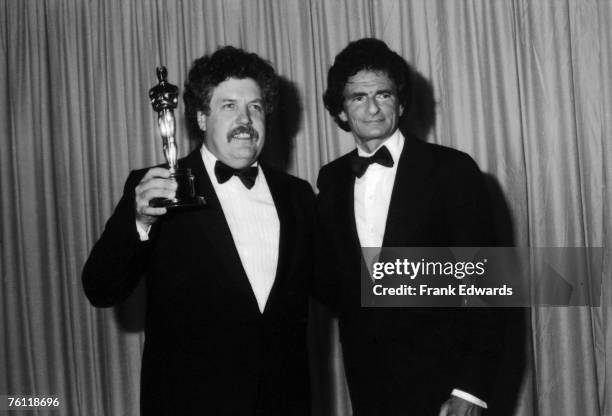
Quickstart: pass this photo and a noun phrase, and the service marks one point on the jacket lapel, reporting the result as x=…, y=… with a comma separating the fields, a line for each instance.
x=281, y=194
x=410, y=190
x=345, y=204
x=213, y=227
x=409, y=195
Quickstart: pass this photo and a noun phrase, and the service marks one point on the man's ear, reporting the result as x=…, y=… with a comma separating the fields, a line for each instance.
x=201, y=120
x=342, y=116
x=401, y=110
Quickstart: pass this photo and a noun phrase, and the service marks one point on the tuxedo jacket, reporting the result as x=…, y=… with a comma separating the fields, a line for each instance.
x=407, y=360
x=208, y=349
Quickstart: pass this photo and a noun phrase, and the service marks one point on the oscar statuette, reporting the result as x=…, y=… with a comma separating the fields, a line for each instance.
x=164, y=99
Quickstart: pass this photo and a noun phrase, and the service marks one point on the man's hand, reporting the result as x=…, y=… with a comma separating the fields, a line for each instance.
x=456, y=406
x=155, y=184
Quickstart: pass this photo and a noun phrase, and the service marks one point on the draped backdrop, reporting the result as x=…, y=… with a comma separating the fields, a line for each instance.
x=523, y=86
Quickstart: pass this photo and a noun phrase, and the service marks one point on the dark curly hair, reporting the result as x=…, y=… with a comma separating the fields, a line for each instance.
x=226, y=62
x=366, y=54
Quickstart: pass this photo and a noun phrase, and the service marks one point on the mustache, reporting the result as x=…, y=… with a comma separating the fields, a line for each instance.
x=244, y=129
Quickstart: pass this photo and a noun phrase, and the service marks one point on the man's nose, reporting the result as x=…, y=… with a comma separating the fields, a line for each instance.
x=244, y=116
x=373, y=107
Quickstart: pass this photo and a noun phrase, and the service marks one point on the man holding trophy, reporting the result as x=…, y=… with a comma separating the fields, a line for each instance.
x=227, y=278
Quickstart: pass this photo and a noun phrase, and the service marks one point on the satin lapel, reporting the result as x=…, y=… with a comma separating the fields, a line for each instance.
x=409, y=195
x=281, y=194
x=345, y=203
x=213, y=227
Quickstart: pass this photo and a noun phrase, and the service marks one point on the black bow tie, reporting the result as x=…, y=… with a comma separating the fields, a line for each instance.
x=360, y=164
x=246, y=175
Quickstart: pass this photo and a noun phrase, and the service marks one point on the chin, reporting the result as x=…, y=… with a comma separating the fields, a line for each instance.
x=245, y=159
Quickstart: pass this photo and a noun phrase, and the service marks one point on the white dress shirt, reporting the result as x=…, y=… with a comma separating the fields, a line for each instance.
x=372, y=196
x=253, y=222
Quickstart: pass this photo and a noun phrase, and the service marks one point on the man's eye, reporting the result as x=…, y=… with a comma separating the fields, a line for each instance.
x=228, y=106
x=359, y=99
x=384, y=95
x=256, y=107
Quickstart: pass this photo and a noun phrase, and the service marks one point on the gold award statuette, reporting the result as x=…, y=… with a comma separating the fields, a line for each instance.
x=164, y=99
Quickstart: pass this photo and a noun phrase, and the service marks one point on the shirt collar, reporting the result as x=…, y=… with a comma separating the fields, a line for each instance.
x=210, y=159
x=395, y=144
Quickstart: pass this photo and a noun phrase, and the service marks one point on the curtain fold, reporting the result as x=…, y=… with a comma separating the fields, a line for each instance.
x=524, y=87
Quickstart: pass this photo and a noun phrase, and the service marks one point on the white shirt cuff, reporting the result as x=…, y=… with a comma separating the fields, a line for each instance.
x=143, y=232
x=467, y=396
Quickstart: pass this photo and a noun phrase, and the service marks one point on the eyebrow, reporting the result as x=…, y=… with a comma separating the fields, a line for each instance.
x=362, y=93
x=355, y=94
x=228, y=99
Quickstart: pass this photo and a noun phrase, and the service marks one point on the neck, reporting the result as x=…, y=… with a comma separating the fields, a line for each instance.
x=371, y=146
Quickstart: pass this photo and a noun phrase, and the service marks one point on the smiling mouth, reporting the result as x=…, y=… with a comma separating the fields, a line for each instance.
x=243, y=133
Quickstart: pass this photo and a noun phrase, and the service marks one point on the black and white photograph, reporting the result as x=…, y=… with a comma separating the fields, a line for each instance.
x=306, y=207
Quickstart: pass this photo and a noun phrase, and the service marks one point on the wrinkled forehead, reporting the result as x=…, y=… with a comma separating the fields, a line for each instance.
x=245, y=89
x=369, y=81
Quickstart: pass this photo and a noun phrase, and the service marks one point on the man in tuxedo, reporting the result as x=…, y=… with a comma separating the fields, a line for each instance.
x=227, y=284
x=396, y=191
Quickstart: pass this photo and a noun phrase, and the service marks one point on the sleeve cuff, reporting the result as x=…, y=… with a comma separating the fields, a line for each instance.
x=143, y=233
x=467, y=396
